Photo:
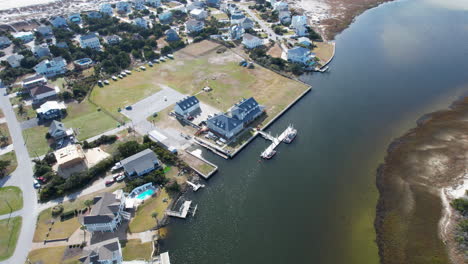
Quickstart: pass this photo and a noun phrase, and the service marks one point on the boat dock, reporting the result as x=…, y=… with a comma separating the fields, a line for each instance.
x=183, y=211
x=275, y=141
x=195, y=186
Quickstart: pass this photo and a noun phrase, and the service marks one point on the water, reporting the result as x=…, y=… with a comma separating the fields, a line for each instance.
x=314, y=202
x=144, y=195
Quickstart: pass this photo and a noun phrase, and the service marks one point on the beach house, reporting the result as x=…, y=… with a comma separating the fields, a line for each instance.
x=24, y=36
x=41, y=50
x=106, y=213
x=171, y=35
x=236, y=32
x=250, y=41
x=104, y=252
x=113, y=39
x=15, y=60
x=301, y=55
x=141, y=22
x=50, y=110
x=106, y=9
x=58, y=22
x=298, y=21
x=187, y=106
x=57, y=130
x=4, y=42
x=304, y=41
x=50, y=68
x=90, y=40
x=43, y=91
x=195, y=5
x=193, y=26
x=247, y=23
x=141, y=163
x=45, y=31
x=153, y=3
x=237, y=17
x=165, y=18
x=198, y=14
x=224, y=125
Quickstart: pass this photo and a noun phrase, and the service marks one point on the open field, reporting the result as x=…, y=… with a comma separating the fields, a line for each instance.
x=49, y=255
x=324, y=51
x=11, y=156
x=143, y=220
x=164, y=120
x=87, y=120
x=133, y=249
x=5, y=132
x=196, y=163
x=35, y=140
x=9, y=236
x=126, y=91
x=275, y=51
x=10, y=196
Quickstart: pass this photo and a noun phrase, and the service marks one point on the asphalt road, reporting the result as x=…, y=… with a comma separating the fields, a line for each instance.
x=21, y=177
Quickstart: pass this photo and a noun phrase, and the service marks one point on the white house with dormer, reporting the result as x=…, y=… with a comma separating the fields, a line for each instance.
x=50, y=68
x=90, y=41
x=187, y=106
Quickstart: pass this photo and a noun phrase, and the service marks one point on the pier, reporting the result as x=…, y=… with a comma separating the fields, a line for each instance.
x=195, y=186
x=275, y=141
x=183, y=211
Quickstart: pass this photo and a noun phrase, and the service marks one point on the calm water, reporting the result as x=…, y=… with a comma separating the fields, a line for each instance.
x=315, y=201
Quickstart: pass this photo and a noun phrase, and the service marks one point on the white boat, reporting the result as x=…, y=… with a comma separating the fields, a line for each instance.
x=290, y=135
x=268, y=154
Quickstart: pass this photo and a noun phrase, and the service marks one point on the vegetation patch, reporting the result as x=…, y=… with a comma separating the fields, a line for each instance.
x=11, y=199
x=25, y=112
x=150, y=212
x=9, y=236
x=47, y=255
x=5, y=138
x=35, y=140
x=133, y=249
x=8, y=163
x=50, y=227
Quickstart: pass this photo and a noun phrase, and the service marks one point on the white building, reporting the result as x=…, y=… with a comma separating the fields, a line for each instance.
x=298, y=21
x=15, y=60
x=193, y=25
x=106, y=9
x=24, y=36
x=198, y=14
x=90, y=41
x=187, y=106
x=50, y=68
x=301, y=31
x=251, y=41
x=41, y=50
x=106, y=213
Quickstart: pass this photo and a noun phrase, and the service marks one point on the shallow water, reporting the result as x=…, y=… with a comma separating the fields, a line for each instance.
x=315, y=201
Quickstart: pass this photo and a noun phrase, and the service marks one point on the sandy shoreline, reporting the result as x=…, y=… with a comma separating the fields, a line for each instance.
x=9, y=4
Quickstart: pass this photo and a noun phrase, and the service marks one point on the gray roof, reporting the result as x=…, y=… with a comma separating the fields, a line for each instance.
x=248, y=36
x=298, y=51
x=44, y=29
x=187, y=102
x=33, y=78
x=249, y=107
x=224, y=122
x=105, y=250
x=140, y=162
x=41, y=89
x=194, y=23
x=88, y=36
x=104, y=209
x=57, y=126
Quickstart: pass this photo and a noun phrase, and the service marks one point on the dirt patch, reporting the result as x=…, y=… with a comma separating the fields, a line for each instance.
x=198, y=49
x=275, y=51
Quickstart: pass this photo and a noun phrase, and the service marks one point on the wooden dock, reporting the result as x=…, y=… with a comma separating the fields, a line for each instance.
x=183, y=211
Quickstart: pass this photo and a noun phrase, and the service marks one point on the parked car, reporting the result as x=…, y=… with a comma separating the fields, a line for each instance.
x=190, y=118
x=128, y=107
x=110, y=182
x=115, y=176
x=36, y=184
x=42, y=179
x=120, y=178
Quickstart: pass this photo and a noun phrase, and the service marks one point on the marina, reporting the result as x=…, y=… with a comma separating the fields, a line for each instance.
x=287, y=136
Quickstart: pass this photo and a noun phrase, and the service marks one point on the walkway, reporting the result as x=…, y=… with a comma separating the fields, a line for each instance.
x=21, y=177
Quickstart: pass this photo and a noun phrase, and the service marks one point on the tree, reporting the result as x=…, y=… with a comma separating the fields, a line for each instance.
x=88, y=203
x=3, y=166
x=21, y=108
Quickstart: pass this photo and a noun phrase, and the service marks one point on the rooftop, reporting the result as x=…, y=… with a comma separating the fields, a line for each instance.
x=105, y=208
x=140, y=162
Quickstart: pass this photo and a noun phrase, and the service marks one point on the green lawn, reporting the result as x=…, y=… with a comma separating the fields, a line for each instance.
x=35, y=140
x=87, y=121
x=9, y=236
x=60, y=229
x=133, y=249
x=10, y=196
x=28, y=113
x=5, y=132
x=47, y=255
x=143, y=220
x=13, y=162
x=126, y=91
x=60, y=82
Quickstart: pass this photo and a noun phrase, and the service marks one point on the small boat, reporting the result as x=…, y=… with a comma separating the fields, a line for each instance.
x=292, y=132
x=268, y=154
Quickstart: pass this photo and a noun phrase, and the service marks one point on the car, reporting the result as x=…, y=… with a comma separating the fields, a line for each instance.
x=42, y=179
x=143, y=68
x=190, y=118
x=110, y=182
x=128, y=107
x=120, y=178
x=36, y=184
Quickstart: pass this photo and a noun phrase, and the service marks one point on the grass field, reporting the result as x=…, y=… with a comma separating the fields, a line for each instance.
x=87, y=121
x=35, y=140
x=143, y=220
x=11, y=196
x=5, y=132
x=324, y=51
x=60, y=229
x=11, y=156
x=9, y=236
x=133, y=249
x=28, y=113
x=126, y=91
x=47, y=255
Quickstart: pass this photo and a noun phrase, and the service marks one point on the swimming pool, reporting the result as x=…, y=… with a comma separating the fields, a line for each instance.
x=144, y=195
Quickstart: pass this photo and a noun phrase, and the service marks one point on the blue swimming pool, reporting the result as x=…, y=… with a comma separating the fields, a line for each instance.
x=144, y=195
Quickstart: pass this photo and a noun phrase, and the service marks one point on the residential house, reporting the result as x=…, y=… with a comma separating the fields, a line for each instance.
x=141, y=163
x=15, y=60
x=50, y=110
x=236, y=32
x=74, y=18
x=165, y=18
x=69, y=155
x=62, y=44
x=195, y=5
x=301, y=31
x=198, y=14
x=45, y=31
x=94, y=15
x=105, y=252
x=57, y=130
x=229, y=8
x=171, y=35
x=304, y=41
x=43, y=91
x=213, y=3
x=284, y=17
x=153, y=3
x=193, y=25
x=301, y=55
x=33, y=81
x=246, y=110
x=225, y=125
x=50, y=68
x=4, y=42
x=141, y=22
x=187, y=106
x=90, y=40
x=106, y=9
x=41, y=50
x=138, y=4
x=123, y=7
x=58, y=22
x=237, y=17
x=106, y=213
x=251, y=41
x=113, y=39
x=280, y=6
x=298, y=21
x=247, y=23
x=25, y=37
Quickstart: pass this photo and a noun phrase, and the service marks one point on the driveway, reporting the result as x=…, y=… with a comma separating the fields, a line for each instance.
x=21, y=177
x=29, y=123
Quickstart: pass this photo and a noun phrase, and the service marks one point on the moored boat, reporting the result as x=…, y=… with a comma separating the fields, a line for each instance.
x=291, y=135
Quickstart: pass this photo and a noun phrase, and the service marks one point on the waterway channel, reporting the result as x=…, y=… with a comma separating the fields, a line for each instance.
x=314, y=202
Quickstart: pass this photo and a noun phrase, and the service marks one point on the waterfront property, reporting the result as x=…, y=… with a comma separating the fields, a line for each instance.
x=187, y=106
x=105, y=252
x=50, y=110
x=141, y=163
x=50, y=68
x=140, y=194
x=301, y=55
x=90, y=41
x=106, y=213
x=225, y=125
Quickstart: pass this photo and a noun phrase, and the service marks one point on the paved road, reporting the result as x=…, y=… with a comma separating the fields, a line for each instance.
x=21, y=177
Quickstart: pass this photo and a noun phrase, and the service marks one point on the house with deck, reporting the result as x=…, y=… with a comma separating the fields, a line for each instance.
x=198, y=14
x=187, y=106
x=50, y=110
x=43, y=91
x=285, y=17
x=41, y=50
x=57, y=130
x=246, y=110
x=141, y=163
x=90, y=40
x=236, y=32
x=106, y=213
x=301, y=31
x=301, y=55
x=104, y=252
x=45, y=31
x=24, y=36
x=33, y=81
x=298, y=21
x=50, y=68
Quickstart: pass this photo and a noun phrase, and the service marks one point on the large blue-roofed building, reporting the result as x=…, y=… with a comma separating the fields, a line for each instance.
x=187, y=106
x=225, y=126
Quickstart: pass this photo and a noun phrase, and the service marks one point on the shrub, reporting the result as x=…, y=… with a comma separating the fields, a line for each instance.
x=57, y=210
